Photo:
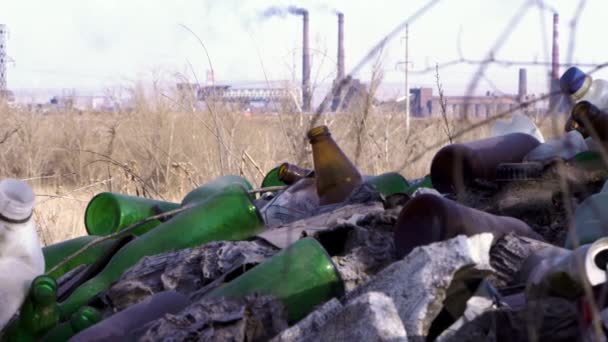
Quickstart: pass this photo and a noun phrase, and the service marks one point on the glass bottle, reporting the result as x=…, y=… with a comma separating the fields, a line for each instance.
x=109, y=212
x=388, y=183
x=229, y=215
x=335, y=174
x=82, y=319
x=455, y=167
x=55, y=253
x=429, y=218
x=124, y=324
x=39, y=313
x=216, y=186
x=589, y=120
x=290, y=173
x=272, y=178
x=301, y=276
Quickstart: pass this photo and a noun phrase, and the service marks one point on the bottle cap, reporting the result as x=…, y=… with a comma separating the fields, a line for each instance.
x=16, y=200
x=572, y=80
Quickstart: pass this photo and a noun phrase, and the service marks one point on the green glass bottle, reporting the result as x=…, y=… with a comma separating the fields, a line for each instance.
x=229, y=215
x=272, y=178
x=388, y=183
x=110, y=212
x=301, y=276
x=55, y=253
x=426, y=182
x=84, y=318
x=216, y=186
x=39, y=313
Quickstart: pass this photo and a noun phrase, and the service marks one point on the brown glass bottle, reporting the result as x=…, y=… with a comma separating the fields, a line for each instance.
x=456, y=166
x=589, y=121
x=430, y=218
x=290, y=173
x=335, y=174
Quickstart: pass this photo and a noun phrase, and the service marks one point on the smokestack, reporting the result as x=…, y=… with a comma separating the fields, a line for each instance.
x=555, y=51
x=340, y=46
x=523, y=84
x=306, y=96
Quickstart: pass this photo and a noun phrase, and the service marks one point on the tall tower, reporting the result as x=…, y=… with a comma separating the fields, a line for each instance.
x=3, y=59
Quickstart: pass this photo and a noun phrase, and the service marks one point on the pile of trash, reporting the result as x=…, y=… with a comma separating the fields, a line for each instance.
x=505, y=239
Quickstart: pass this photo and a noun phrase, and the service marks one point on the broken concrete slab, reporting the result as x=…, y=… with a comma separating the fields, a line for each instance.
x=185, y=271
x=308, y=327
x=369, y=317
x=284, y=235
x=253, y=318
x=418, y=283
x=367, y=251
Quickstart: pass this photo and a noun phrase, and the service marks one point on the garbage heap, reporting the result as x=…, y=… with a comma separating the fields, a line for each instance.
x=503, y=240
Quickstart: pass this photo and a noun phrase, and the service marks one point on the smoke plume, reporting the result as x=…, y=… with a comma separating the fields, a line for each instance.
x=276, y=11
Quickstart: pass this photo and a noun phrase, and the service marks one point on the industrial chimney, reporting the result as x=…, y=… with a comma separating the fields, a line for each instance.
x=340, y=75
x=523, y=84
x=306, y=96
x=554, y=77
x=555, y=50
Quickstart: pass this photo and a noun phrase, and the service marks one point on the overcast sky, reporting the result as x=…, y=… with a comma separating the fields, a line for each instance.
x=98, y=43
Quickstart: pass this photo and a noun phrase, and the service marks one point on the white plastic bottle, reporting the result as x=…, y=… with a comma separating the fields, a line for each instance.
x=581, y=87
x=21, y=258
x=519, y=124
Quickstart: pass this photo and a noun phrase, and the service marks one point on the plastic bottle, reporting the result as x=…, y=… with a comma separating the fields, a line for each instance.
x=519, y=124
x=39, y=313
x=590, y=219
x=301, y=276
x=456, y=166
x=55, y=253
x=564, y=147
x=429, y=218
x=110, y=212
x=298, y=201
x=229, y=215
x=581, y=87
x=21, y=258
x=335, y=174
x=564, y=272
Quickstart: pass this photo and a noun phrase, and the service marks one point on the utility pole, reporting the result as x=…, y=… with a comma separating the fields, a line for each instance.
x=407, y=88
x=406, y=63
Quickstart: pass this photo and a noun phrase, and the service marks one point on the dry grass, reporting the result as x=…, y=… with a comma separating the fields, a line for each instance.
x=163, y=151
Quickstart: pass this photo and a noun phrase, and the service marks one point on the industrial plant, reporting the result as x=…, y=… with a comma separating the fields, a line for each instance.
x=420, y=102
